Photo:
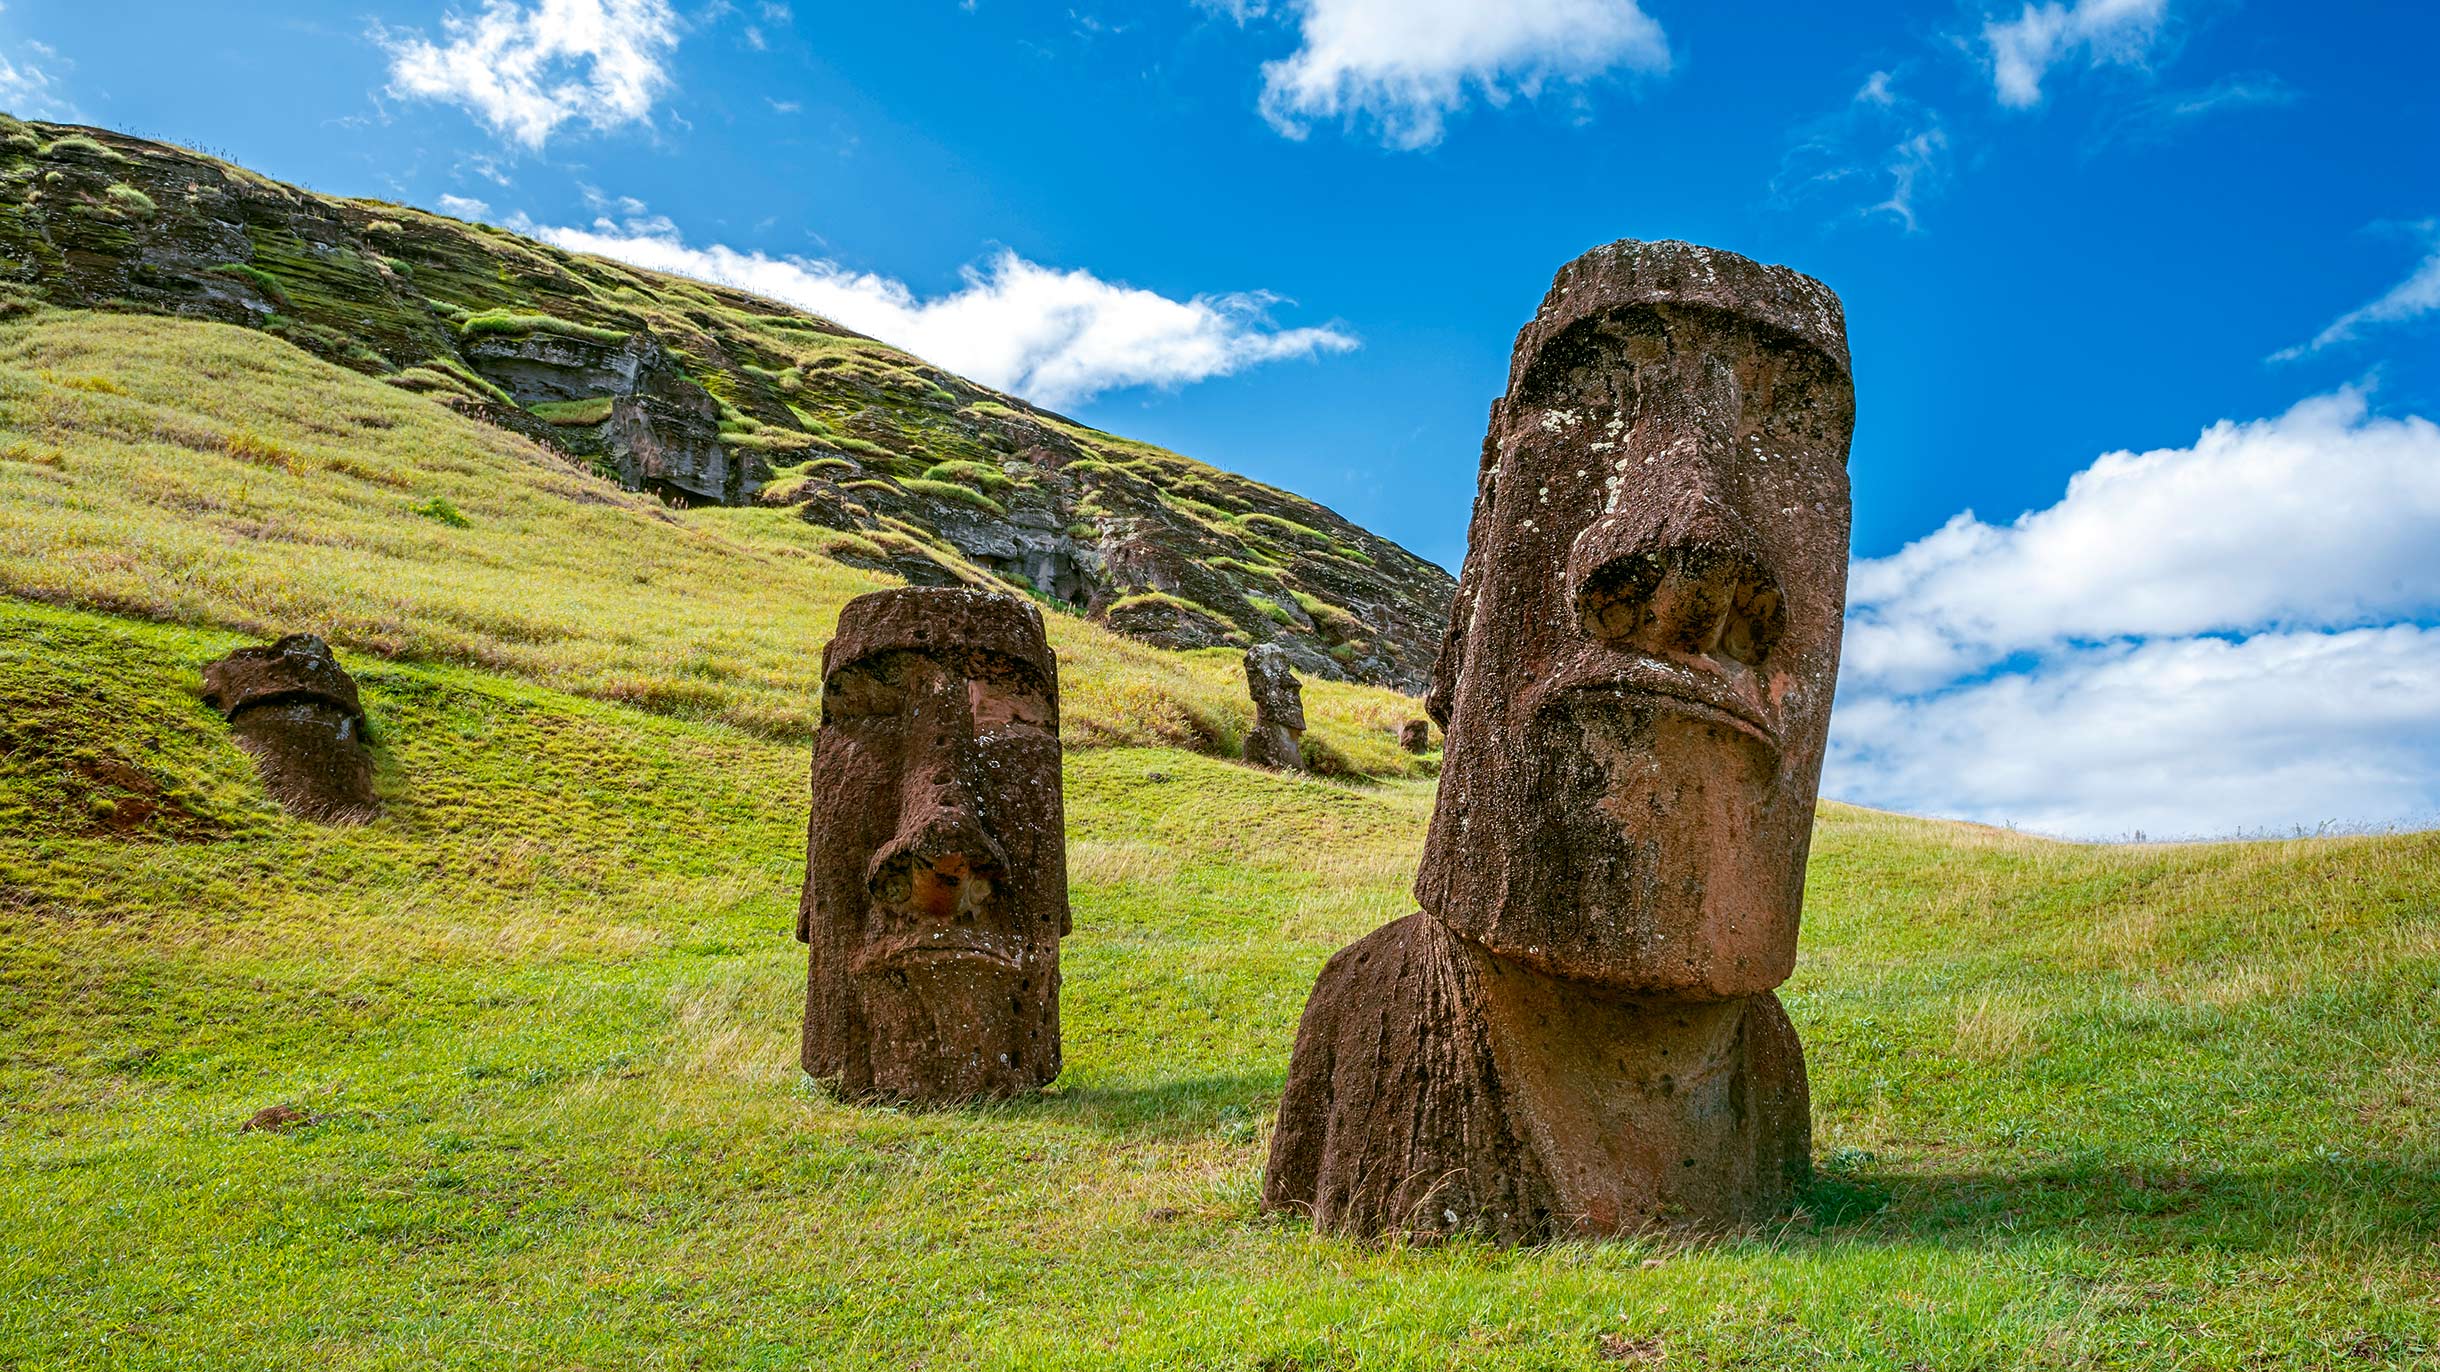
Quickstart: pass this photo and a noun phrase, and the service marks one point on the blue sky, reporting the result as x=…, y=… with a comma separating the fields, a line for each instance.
x=1296, y=238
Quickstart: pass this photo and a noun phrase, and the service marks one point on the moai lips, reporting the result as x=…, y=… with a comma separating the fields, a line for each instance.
x=295, y=710
x=1577, y=1034
x=936, y=860
x=1279, y=710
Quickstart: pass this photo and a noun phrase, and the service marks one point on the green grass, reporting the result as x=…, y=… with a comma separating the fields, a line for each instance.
x=576, y=414
x=2079, y=1106
x=501, y=322
x=954, y=491
x=2075, y=1106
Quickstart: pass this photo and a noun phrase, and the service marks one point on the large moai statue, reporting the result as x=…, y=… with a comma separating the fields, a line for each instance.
x=295, y=710
x=936, y=861
x=1578, y=1033
x=1279, y=710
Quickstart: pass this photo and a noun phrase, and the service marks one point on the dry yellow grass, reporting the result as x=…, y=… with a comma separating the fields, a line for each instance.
x=200, y=474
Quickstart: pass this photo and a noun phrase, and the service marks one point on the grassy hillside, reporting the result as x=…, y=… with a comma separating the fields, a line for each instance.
x=2077, y=1106
x=2171, y=1107
x=212, y=475
x=705, y=394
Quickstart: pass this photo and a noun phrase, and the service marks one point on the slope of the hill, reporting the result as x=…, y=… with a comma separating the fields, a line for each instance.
x=210, y=475
x=2076, y=1107
x=708, y=395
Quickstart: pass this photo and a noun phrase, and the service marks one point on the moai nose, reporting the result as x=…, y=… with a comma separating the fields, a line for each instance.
x=1672, y=570
x=943, y=864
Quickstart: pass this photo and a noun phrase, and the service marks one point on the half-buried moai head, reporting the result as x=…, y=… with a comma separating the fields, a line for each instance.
x=1279, y=710
x=1577, y=1033
x=1415, y=735
x=936, y=862
x=295, y=710
x=1637, y=678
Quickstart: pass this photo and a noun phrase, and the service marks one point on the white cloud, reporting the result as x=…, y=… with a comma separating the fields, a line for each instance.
x=2177, y=738
x=2417, y=295
x=526, y=71
x=465, y=207
x=2231, y=636
x=1404, y=66
x=2024, y=49
x=1053, y=336
x=2324, y=516
x=31, y=90
x=1879, y=138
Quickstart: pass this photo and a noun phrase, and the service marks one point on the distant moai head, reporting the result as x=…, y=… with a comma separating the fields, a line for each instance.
x=295, y=710
x=936, y=861
x=1637, y=679
x=1415, y=735
x=1279, y=709
x=1279, y=698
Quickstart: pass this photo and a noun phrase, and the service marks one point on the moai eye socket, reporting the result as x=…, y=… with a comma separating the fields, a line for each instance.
x=861, y=691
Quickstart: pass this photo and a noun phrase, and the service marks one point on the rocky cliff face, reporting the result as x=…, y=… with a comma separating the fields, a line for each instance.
x=705, y=394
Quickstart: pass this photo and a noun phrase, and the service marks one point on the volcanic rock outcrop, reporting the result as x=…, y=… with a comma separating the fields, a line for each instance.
x=1577, y=1034
x=296, y=711
x=936, y=860
x=703, y=394
x=1279, y=711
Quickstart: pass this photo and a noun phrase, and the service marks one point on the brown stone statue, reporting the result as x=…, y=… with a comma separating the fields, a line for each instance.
x=295, y=710
x=1416, y=735
x=1279, y=710
x=936, y=862
x=1577, y=1034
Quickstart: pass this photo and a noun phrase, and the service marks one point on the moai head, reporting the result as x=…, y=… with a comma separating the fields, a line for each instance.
x=936, y=863
x=295, y=710
x=1279, y=710
x=1637, y=679
x=1279, y=698
x=1415, y=735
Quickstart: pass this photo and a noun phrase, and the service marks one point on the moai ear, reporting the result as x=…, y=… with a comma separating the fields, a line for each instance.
x=1451, y=664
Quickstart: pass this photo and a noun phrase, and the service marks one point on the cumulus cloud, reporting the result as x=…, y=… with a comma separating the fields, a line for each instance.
x=2417, y=295
x=2024, y=49
x=1053, y=336
x=2234, y=635
x=2178, y=738
x=525, y=71
x=1403, y=66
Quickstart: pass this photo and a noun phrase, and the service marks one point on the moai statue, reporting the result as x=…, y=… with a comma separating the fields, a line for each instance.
x=294, y=709
x=1416, y=735
x=1279, y=710
x=936, y=862
x=1578, y=1034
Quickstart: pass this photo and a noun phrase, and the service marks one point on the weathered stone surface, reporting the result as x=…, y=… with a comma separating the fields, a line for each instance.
x=662, y=433
x=1577, y=1035
x=296, y=711
x=1416, y=735
x=1279, y=711
x=936, y=866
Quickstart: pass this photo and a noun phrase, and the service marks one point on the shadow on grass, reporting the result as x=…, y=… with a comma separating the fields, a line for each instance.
x=1233, y=1105
x=2359, y=1201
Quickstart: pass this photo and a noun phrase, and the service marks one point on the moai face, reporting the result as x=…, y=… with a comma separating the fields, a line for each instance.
x=1636, y=687
x=296, y=711
x=936, y=866
x=1279, y=698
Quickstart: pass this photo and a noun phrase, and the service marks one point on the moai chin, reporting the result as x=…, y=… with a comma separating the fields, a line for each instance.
x=1578, y=1033
x=1279, y=710
x=936, y=860
x=295, y=710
